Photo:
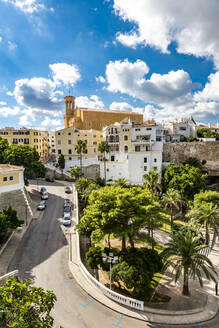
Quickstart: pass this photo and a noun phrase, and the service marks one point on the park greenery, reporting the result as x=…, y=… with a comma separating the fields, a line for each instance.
x=23, y=305
x=21, y=155
x=207, y=133
x=124, y=212
x=8, y=221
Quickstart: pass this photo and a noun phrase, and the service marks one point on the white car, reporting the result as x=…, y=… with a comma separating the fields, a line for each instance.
x=44, y=195
x=42, y=205
x=66, y=219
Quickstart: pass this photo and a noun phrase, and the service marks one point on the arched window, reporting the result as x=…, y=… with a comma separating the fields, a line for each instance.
x=125, y=138
x=111, y=139
x=117, y=147
x=111, y=130
x=126, y=148
x=116, y=131
x=117, y=138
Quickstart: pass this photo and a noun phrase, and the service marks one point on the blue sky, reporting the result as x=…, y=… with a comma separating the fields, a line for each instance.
x=160, y=58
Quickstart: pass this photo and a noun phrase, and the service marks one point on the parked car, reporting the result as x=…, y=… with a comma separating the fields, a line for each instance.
x=42, y=205
x=42, y=189
x=67, y=190
x=67, y=202
x=67, y=209
x=44, y=195
x=49, y=179
x=66, y=219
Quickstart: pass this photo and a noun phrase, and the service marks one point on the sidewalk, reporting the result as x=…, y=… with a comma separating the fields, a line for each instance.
x=205, y=312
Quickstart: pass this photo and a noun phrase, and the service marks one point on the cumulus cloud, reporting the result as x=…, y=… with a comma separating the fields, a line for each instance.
x=24, y=120
x=65, y=73
x=6, y=111
x=129, y=78
x=48, y=122
x=123, y=106
x=27, y=6
x=100, y=79
x=158, y=23
x=1, y=38
x=89, y=102
x=2, y=103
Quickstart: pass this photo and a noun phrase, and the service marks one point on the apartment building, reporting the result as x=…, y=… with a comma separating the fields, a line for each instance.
x=180, y=129
x=52, y=143
x=135, y=149
x=66, y=140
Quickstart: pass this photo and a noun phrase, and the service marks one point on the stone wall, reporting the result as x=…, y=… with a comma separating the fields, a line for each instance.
x=178, y=152
x=91, y=171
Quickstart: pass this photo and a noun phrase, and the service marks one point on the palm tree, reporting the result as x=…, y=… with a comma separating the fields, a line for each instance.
x=172, y=201
x=104, y=148
x=152, y=182
x=183, y=252
x=80, y=148
x=206, y=214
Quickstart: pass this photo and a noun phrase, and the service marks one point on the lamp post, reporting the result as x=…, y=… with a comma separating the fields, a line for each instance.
x=111, y=259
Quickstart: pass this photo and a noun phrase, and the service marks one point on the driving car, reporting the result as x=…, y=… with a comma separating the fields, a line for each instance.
x=67, y=190
x=66, y=219
x=42, y=189
x=42, y=205
x=44, y=195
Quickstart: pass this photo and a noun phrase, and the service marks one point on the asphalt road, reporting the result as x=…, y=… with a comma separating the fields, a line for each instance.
x=42, y=257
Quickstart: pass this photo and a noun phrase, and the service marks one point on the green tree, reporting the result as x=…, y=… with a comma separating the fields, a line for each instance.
x=187, y=179
x=152, y=182
x=24, y=306
x=61, y=162
x=27, y=157
x=104, y=148
x=75, y=172
x=84, y=188
x=81, y=148
x=94, y=257
x=172, y=202
x=183, y=253
x=3, y=146
x=8, y=221
x=207, y=196
x=206, y=214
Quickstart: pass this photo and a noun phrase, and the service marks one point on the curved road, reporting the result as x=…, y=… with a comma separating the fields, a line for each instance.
x=42, y=257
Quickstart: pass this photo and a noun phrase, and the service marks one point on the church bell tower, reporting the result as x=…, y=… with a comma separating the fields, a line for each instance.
x=69, y=110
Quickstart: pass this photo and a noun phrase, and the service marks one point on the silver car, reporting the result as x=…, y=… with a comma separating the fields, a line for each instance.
x=42, y=205
x=66, y=219
x=44, y=195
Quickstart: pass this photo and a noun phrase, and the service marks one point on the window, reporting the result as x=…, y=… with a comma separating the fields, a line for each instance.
x=69, y=151
x=15, y=141
x=145, y=168
x=85, y=141
x=94, y=136
x=137, y=148
x=94, y=143
x=59, y=142
x=182, y=128
x=94, y=150
x=117, y=147
x=117, y=138
x=35, y=133
x=155, y=160
x=59, y=151
x=137, y=129
x=125, y=138
x=35, y=140
x=11, y=178
x=126, y=148
x=147, y=148
x=20, y=140
x=145, y=160
x=59, y=133
x=69, y=133
x=85, y=151
x=148, y=129
x=69, y=158
x=85, y=135
x=69, y=142
x=112, y=158
x=155, y=168
x=5, y=179
x=158, y=139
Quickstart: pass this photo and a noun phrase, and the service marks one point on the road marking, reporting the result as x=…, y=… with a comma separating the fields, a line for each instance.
x=69, y=284
x=117, y=324
x=85, y=306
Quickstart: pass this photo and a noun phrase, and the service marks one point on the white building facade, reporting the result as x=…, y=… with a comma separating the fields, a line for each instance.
x=135, y=149
x=184, y=127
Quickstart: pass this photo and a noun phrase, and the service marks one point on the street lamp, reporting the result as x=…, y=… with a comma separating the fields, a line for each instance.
x=111, y=259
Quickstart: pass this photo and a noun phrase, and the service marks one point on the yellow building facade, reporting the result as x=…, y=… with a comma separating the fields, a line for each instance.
x=97, y=119
x=66, y=140
x=11, y=177
x=28, y=137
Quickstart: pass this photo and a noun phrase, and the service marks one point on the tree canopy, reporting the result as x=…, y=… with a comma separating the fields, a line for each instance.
x=187, y=179
x=8, y=221
x=24, y=306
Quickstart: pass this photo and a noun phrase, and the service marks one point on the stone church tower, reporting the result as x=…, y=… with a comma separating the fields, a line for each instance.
x=69, y=110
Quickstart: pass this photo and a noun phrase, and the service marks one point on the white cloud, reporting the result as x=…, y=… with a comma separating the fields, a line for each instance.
x=100, y=79
x=193, y=26
x=129, y=78
x=1, y=38
x=62, y=72
x=2, y=103
x=123, y=106
x=6, y=111
x=12, y=45
x=89, y=102
x=27, y=6
x=24, y=121
x=211, y=89
x=48, y=122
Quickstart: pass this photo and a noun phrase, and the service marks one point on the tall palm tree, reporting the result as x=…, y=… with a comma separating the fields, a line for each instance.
x=206, y=214
x=172, y=201
x=183, y=252
x=104, y=148
x=80, y=148
x=152, y=182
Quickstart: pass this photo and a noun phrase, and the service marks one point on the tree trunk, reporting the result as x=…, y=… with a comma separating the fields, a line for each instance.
x=123, y=243
x=171, y=218
x=131, y=240
x=109, y=245
x=207, y=237
x=104, y=162
x=185, y=283
x=149, y=231
x=152, y=236
x=214, y=239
